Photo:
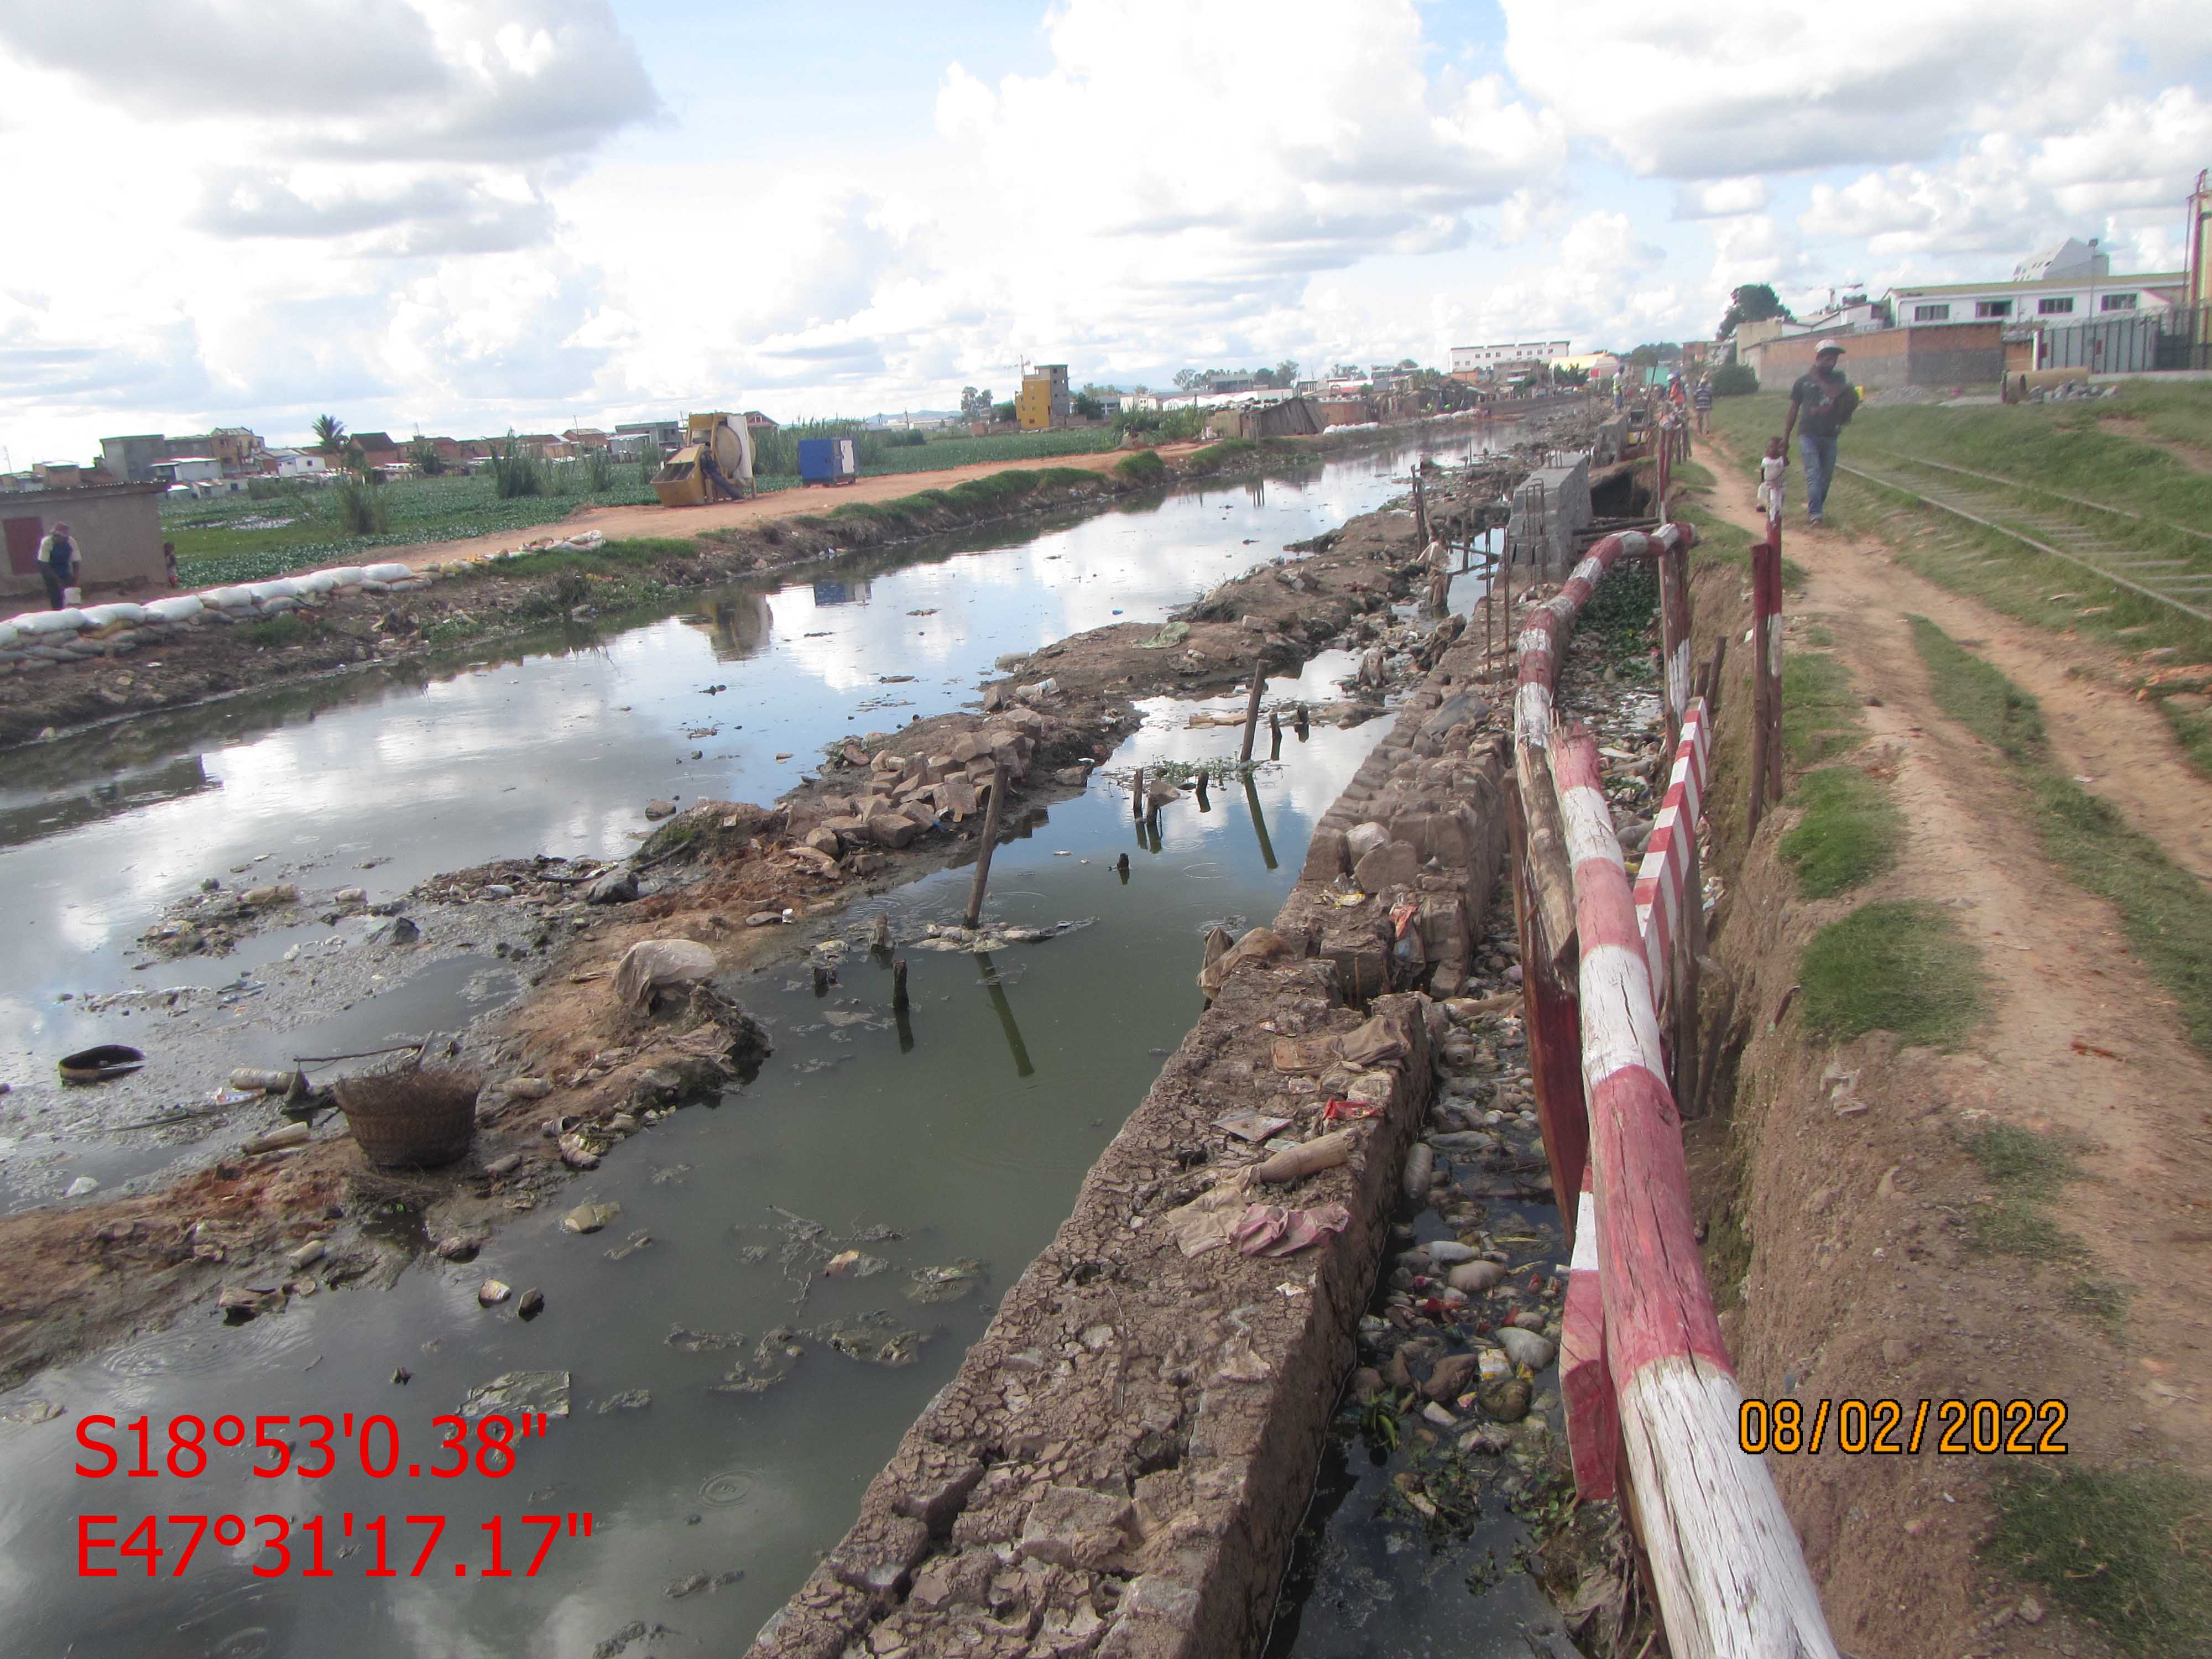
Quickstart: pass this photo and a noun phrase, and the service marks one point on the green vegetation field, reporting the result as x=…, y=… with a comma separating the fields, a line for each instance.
x=244, y=538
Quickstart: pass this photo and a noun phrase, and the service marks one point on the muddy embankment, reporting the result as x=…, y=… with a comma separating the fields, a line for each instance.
x=405, y=635
x=1840, y=1203
x=574, y=1068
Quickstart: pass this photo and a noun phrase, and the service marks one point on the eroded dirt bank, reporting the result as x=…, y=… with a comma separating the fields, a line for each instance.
x=2013, y=1211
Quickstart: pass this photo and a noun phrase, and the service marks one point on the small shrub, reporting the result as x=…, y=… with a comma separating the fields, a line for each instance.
x=1143, y=467
x=1733, y=380
x=287, y=629
x=361, y=509
x=514, y=474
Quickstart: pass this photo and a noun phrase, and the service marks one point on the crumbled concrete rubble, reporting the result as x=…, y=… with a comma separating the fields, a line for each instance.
x=1121, y=1463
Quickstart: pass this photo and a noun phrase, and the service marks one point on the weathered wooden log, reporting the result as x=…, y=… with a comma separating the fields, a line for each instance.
x=997, y=785
x=1729, y=1573
x=1252, y=706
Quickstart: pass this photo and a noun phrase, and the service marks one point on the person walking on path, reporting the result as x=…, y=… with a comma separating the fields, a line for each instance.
x=1702, y=401
x=58, y=563
x=1821, y=404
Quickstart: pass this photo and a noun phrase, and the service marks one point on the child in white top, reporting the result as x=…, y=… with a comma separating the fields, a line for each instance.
x=1770, y=471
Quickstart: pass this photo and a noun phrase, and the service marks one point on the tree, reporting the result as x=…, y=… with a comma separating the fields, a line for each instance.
x=1408, y=362
x=422, y=455
x=1286, y=372
x=1002, y=412
x=1753, y=302
x=1570, y=376
x=1088, y=406
x=975, y=406
x=329, y=433
x=1187, y=377
x=356, y=462
x=1654, y=353
x=1734, y=380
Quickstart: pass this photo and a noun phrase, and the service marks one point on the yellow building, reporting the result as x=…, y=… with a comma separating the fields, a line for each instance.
x=1044, y=401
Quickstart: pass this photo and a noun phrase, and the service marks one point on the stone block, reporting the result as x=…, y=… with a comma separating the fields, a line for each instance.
x=1075, y=1527
x=892, y=829
x=1394, y=864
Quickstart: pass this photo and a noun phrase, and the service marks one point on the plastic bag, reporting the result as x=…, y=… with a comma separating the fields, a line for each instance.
x=72, y=596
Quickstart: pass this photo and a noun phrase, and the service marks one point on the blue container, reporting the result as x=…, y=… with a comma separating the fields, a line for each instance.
x=828, y=460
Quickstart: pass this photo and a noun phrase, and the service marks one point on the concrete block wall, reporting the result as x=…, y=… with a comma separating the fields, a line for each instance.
x=1551, y=505
x=1121, y=1461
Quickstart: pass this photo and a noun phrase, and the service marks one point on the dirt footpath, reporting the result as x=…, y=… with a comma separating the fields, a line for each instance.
x=2109, y=742
x=616, y=523
x=1858, y=1192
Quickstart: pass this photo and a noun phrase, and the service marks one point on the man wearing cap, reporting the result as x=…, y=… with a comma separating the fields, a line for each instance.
x=1819, y=404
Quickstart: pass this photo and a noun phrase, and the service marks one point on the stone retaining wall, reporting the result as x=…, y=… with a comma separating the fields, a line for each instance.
x=1120, y=1465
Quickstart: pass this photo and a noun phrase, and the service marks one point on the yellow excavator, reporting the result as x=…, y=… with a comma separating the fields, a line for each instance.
x=714, y=465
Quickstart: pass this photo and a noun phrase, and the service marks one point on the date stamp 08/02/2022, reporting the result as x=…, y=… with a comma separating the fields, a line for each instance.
x=1900, y=1428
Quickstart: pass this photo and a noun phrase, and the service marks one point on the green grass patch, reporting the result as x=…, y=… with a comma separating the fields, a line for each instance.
x=1898, y=965
x=1848, y=835
x=2129, y=1551
x=2102, y=1301
x=1820, y=713
x=1979, y=697
x=2019, y=1161
x=1695, y=474
x=1143, y=467
x=2013, y=1226
x=283, y=630
x=1723, y=541
x=2166, y=911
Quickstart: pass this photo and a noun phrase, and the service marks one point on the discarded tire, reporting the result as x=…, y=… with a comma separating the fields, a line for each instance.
x=98, y=1065
x=413, y=1119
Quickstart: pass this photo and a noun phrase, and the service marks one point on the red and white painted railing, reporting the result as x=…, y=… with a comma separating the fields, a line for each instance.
x=1671, y=853
x=1731, y=1577
x=1643, y=1368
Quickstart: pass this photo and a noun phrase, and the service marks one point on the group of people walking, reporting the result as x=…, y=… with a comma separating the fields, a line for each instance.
x=1822, y=401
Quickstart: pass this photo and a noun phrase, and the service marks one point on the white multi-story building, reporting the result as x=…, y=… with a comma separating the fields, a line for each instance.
x=2071, y=284
x=1518, y=354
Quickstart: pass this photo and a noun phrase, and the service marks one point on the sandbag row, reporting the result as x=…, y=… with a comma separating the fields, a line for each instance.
x=39, y=639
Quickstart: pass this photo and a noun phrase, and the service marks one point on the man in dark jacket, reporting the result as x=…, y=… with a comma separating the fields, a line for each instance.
x=57, y=564
x=1819, y=404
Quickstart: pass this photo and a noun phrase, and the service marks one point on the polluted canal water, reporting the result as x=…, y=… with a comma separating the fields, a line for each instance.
x=715, y=1397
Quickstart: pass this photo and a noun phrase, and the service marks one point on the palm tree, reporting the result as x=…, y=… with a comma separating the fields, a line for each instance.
x=329, y=433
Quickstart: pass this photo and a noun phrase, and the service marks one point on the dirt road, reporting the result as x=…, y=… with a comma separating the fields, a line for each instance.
x=2079, y=1044
x=615, y=522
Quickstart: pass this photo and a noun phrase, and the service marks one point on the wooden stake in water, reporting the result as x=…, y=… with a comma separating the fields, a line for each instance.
x=1252, y=706
x=1137, y=796
x=998, y=785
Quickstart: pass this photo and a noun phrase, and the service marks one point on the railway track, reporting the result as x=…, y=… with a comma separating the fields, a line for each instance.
x=1993, y=503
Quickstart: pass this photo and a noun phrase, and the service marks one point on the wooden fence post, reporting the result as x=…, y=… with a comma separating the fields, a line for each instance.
x=990, y=843
x=1252, y=706
x=1766, y=670
x=1731, y=1575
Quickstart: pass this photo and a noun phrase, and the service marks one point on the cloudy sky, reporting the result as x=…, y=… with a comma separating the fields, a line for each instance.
x=461, y=216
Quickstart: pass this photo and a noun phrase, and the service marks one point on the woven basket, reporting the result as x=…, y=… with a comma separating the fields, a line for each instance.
x=412, y=1119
